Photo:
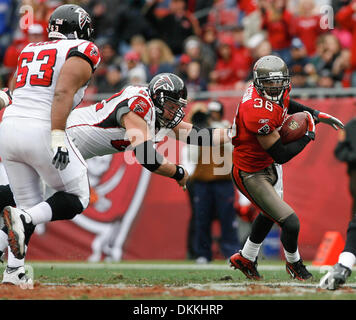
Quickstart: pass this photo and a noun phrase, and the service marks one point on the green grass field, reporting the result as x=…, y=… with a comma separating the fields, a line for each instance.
x=176, y=280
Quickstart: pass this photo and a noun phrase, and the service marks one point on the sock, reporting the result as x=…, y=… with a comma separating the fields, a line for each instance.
x=261, y=226
x=12, y=262
x=347, y=259
x=250, y=250
x=292, y=257
x=3, y=241
x=40, y=213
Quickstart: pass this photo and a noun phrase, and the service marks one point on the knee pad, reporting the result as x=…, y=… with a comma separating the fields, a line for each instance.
x=64, y=205
x=6, y=197
x=291, y=224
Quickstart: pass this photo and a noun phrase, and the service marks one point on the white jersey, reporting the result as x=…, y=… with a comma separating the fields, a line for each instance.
x=95, y=130
x=38, y=68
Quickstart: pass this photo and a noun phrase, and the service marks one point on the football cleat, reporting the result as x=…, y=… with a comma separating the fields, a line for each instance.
x=297, y=270
x=16, y=276
x=248, y=267
x=335, y=277
x=201, y=260
x=19, y=230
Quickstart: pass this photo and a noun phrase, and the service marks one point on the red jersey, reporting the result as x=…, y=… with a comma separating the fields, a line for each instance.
x=347, y=19
x=279, y=31
x=255, y=116
x=308, y=30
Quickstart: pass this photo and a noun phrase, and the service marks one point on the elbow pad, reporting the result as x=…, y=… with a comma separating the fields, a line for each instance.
x=200, y=137
x=147, y=156
x=282, y=153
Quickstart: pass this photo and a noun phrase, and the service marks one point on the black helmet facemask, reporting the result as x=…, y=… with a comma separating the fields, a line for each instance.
x=271, y=78
x=169, y=94
x=273, y=88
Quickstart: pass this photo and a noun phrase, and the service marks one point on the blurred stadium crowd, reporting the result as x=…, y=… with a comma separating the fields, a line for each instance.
x=211, y=44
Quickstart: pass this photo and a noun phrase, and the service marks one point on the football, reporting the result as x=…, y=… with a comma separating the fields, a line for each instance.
x=294, y=127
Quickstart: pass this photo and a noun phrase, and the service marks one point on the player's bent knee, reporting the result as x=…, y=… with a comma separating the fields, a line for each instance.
x=64, y=205
x=84, y=200
x=291, y=224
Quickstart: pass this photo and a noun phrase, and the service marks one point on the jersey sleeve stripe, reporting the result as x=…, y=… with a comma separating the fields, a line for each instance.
x=111, y=121
x=122, y=109
x=81, y=55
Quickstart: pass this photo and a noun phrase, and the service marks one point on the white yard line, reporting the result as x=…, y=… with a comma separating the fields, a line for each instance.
x=301, y=287
x=151, y=266
x=228, y=286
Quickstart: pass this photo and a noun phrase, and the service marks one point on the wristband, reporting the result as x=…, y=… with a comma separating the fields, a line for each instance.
x=147, y=156
x=58, y=138
x=179, y=175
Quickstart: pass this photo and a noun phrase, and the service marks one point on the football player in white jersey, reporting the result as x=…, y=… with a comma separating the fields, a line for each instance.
x=50, y=80
x=132, y=119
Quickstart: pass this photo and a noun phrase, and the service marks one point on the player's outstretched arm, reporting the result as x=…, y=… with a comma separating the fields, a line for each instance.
x=190, y=134
x=75, y=73
x=282, y=153
x=318, y=116
x=145, y=152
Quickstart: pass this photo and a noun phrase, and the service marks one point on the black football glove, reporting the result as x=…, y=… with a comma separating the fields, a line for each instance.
x=328, y=119
x=61, y=158
x=61, y=155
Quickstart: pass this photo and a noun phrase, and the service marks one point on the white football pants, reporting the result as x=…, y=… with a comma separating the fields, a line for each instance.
x=25, y=149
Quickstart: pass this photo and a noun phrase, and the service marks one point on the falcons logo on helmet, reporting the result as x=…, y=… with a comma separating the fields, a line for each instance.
x=164, y=83
x=83, y=17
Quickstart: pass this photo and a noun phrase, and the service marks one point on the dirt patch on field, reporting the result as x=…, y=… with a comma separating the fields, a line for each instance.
x=61, y=292
x=82, y=291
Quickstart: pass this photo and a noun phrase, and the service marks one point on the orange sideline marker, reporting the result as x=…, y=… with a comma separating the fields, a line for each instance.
x=329, y=249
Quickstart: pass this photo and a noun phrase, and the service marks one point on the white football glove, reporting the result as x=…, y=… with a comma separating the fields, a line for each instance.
x=61, y=155
x=5, y=97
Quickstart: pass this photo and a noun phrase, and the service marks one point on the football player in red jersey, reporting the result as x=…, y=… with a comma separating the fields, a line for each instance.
x=257, y=158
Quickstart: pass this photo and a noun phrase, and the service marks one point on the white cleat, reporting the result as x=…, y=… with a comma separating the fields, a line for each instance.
x=17, y=276
x=335, y=277
x=16, y=223
x=327, y=281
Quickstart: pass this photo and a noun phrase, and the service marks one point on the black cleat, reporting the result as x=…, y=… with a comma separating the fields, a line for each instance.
x=248, y=267
x=297, y=270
